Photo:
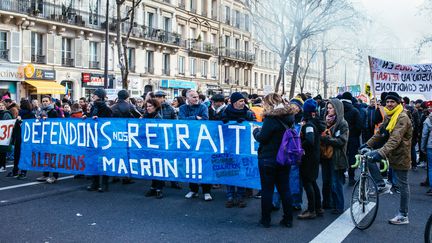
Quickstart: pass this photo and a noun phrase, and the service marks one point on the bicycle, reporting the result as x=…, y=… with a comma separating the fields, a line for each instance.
x=428, y=231
x=365, y=195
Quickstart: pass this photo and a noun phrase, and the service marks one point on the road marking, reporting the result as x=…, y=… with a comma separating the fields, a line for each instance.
x=32, y=183
x=340, y=228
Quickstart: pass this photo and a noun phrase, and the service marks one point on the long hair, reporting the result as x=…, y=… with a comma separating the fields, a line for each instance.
x=272, y=101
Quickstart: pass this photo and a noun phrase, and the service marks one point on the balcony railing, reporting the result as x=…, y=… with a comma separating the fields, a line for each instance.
x=68, y=62
x=205, y=47
x=39, y=59
x=4, y=54
x=94, y=64
x=238, y=55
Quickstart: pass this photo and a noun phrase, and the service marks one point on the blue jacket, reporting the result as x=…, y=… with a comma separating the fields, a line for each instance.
x=190, y=112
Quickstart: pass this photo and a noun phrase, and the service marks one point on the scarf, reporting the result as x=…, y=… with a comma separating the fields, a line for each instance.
x=393, y=114
x=330, y=120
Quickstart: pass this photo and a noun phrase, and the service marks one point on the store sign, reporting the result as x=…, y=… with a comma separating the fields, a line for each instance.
x=30, y=72
x=96, y=80
x=11, y=73
x=177, y=84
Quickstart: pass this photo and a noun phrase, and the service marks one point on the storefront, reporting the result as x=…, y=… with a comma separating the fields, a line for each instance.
x=40, y=82
x=173, y=88
x=10, y=77
x=93, y=81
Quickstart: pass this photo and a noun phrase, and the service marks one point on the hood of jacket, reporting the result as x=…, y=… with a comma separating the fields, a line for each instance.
x=283, y=113
x=339, y=110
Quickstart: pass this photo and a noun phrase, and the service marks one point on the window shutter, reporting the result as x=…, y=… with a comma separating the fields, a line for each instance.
x=85, y=53
x=15, y=47
x=101, y=54
x=57, y=49
x=78, y=52
x=27, y=48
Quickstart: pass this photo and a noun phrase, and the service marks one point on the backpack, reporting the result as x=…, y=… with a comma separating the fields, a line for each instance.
x=290, y=151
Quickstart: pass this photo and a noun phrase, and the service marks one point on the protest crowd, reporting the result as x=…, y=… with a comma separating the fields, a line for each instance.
x=331, y=133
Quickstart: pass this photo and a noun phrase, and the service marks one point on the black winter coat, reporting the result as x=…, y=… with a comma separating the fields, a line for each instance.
x=311, y=134
x=167, y=112
x=352, y=116
x=270, y=134
x=100, y=109
x=124, y=109
x=231, y=114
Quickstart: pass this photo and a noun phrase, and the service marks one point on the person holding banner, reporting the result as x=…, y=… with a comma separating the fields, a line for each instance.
x=99, y=109
x=277, y=115
x=393, y=143
x=4, y=115
x=236, y=111
x=48, y=111
x=193, y=110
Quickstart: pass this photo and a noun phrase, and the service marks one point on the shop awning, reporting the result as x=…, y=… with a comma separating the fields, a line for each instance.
x=47, y=87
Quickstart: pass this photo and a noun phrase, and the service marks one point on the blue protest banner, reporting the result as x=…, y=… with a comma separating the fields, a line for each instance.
x=194, y=151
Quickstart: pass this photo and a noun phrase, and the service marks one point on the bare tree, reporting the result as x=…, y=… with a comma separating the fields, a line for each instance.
x=124, y=23
x=303, y=73
x=294, y=21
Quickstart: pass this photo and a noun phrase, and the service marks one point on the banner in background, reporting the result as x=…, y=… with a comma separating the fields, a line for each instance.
x=6, y=128
x=404, y=79
x=189, y=151
x=355, y=89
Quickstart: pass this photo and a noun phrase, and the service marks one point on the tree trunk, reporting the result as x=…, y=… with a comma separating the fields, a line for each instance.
x=325, y=83
x=281, y=74
x=295, y=70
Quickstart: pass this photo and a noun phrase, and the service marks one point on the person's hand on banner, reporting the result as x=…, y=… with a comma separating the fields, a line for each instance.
x=95, y=117
x=198, y=118
x=240, y=120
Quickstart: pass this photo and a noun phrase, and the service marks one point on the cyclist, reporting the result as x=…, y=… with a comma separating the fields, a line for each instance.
x=393, y=142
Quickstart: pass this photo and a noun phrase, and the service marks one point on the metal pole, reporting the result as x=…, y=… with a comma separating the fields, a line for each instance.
x=106, y=82
x=346, y=87
x=283, y=81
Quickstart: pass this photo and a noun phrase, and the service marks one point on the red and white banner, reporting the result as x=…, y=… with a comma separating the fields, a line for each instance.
x=404, y=79
x=6, y=128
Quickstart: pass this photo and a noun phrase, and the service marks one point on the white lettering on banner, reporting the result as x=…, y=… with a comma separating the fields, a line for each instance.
x=26, y=136
x=151, y=135
x=252, y=140
x=64, y=133
x=6, y=128
x=156, y=167
x=44, y=132
x=106, y=136
x=181, y=137
x=34, y=132
x=201, y=136
x=53, y=132
x=81, y=131
x=221, y=140
x=165, y=128
x=133, y=134
x=92, y=134
x=72, y=130
x=237, y=128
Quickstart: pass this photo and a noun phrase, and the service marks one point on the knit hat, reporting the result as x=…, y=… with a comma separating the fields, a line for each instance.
x=218, y=98
x=309, y=106
x=160, y=93
x=101, y=93
x=383, y=98
x=123, y=94
x=318, y=97
x=297, y=101
x=347, y=96
x=236, y=96
x=393, y=96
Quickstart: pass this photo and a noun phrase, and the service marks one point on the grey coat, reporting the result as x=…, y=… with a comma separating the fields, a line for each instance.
x=426, y=142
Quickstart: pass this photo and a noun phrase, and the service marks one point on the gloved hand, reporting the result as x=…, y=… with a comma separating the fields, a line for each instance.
x=240, y=120
x=363, y=146
x=225, y=121
x=364, y=149
x=374, y=155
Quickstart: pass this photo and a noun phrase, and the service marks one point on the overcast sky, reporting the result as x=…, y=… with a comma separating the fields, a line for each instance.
x=400, y=17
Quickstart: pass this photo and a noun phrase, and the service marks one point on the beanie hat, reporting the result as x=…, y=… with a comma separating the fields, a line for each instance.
x=236, y=96
x=218, y=98
x=383, y=98
x=309, y=106
x=347, y=96
x=123, y=94
x=297, y=101
x=101, y=93
x=318, y=97
x=393, y=96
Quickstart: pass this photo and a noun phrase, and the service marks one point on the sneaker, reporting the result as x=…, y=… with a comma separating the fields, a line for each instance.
x=337, y=211
x=2, y=169
x=207, y=197
x=42, y=178
x=395, y=189
x=384, y=188
x=11, y=174
x=242, y=203
x=92, y=188
x=229, y=203
x=320, y=212
x=399, y=219
x=307, y=215
x=258, y=195
x=296, y=208
x=422, y=164
x=51, y=180
x=429, y=192
x=286, y=223
x=159, y=194
x=191, y=195
x=151, y=193
x=175, y=185
x=22, y=176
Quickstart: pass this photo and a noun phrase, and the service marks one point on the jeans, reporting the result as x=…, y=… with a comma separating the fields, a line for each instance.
x=338, y=179
x=401, y=178
x=429, y=165
x=194, y=187
x=232, y=193
x=313, y=195
x=327, y=174
x=413, y=155
x=375, y=173
x=272, y=175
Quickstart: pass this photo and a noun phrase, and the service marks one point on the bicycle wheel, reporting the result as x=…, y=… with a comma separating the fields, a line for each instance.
x=428, y=231
x=364, y=202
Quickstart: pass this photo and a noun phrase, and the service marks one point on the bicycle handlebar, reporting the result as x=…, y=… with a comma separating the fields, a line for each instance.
x=358, y=160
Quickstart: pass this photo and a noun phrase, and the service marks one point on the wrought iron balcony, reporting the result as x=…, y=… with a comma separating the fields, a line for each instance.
x=68, y=62
x=203, y=47
x=237, y=55
x=39, y=59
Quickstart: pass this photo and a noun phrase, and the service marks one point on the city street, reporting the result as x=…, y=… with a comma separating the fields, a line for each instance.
x=66, y=212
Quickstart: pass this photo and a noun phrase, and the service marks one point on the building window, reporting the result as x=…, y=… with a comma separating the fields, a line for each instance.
x=262, y=80
x=192, y=6
x=131, y=59
x=94, y=10
x=246, y=77
x=167, y=24
x=67, y=59
x=247, y=22
x=150, y=20
x=204, y=68
x=227, y=15
x=4, y=52
x=213, y=70
x=192, y=66
x=37, y=54
x=237, y=76
x=94, y=57
x=256, y=80
x=227, y=74
x=181, y=65
x=150, y=62
x=237, y=19
x=166, y=64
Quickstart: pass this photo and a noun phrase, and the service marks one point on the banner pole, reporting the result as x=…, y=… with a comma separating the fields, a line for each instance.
x=372, y=85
